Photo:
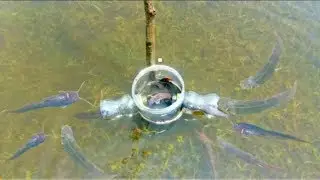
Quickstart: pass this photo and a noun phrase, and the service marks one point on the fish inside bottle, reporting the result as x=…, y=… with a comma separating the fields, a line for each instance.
x=158, y=94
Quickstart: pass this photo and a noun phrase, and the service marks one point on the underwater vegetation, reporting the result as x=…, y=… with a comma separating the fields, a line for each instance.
x=46, y=47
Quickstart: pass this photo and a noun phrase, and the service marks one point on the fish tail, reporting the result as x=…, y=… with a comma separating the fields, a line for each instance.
x=72, y=148
x=19, y=152
x=271, y=167
x=301, y=140
x=28, y=107
x=89, y=115
x=285, y=96
x=286, y=136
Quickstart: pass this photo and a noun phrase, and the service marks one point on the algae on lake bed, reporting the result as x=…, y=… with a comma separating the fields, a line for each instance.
x=52, y=46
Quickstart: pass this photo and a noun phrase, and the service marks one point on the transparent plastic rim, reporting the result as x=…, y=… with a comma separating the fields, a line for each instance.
x=166, y=110
x=165, y=121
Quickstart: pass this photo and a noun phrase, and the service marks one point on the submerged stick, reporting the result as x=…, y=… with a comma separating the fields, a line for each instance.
x=150, y=13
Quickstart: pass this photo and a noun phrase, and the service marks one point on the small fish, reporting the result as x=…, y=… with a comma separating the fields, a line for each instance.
x=89, y=115
x=253, y=130
x=266, y=72
x=63, y=99
x=72, y=148
x=245, y=156
x=207, y=143
x=241, y=107
x=158, y=97
x=33, y=142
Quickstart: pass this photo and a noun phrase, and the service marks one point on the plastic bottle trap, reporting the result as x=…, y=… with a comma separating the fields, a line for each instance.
x=159, y=100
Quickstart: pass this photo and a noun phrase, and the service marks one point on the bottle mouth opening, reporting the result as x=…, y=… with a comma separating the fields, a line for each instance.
x=141, y=84
x=163, y=122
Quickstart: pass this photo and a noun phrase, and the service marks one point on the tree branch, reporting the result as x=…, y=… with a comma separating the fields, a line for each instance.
x=150, y=13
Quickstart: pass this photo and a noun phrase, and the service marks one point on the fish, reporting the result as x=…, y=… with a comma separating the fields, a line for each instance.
x=253, y=130
x=156, y=98
x=245, y=156
x=89, y=115
x=34, y=141
x=72, y=148
x=60, y=100
x=207, y=143
x=242, y=107
x=63, y=99
x=267, y=70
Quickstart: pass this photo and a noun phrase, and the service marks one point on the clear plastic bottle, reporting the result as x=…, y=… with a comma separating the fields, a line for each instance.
x=160, y=116
x=123, y=106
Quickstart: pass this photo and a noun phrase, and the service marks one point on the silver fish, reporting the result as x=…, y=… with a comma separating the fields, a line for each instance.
x=72, y=148
x=253, y=130
x=266, y=72
x=158, y=97
x=63, y=99
x=245, y=156
x=34, y=141
x=207, y=143
x=255, y=106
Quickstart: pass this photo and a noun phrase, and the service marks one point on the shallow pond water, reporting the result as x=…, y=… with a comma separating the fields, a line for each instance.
x=46, y=47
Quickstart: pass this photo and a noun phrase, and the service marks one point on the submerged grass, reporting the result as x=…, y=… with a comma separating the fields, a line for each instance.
x=52, y=46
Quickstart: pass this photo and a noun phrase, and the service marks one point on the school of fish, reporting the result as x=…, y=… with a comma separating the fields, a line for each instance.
x=210, y=104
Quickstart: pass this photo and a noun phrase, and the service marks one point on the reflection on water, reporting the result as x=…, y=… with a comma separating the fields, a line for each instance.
x=46, y=47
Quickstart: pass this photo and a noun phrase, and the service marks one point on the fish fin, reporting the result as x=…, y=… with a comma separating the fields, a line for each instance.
x=19, y=153
x=287, y=136
x=308, y=142
x=89, y=115
x=28, y=107
x=301, y=140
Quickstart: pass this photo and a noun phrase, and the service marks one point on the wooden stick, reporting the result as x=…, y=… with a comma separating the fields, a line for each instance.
x=150, y=13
